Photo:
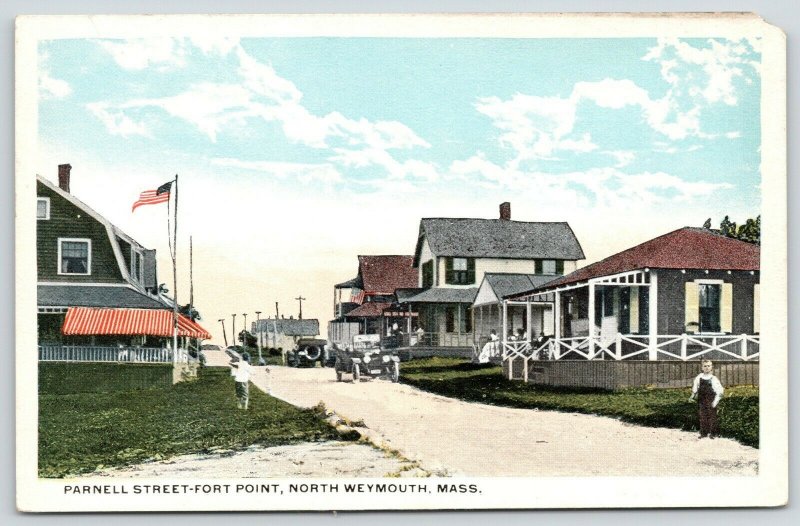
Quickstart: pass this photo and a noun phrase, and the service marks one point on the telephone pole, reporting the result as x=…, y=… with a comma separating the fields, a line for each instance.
x=244, y=333
x=300, y=299
x=258, y=335
x=225, y=336
x=233, y=330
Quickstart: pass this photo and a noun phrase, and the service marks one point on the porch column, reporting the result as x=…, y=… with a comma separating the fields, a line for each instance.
x=557, y=317
x=530, y=318
x=591, y=321
x=408, y=324
x=505, y=321
x=652, y=317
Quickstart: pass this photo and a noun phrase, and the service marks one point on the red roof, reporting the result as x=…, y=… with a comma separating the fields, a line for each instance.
x=685, y=248
x=368, y=310
x=128, y=322
x=384, y=274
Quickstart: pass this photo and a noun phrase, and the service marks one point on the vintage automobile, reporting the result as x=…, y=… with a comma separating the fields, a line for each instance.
x=309, y=351
x=366, y=359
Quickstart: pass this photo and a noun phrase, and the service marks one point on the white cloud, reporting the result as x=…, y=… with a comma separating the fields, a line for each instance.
x=115, y=121
x=704, y=72
x=303, y=172
x=265, y=95
x=138, y=54
x=52, y=88
x=624, y=158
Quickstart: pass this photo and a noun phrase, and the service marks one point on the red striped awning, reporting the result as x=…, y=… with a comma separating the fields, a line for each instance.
x=128, y=322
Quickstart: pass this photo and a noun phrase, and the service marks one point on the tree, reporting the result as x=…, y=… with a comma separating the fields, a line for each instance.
x=750, y=231
x=194, y=315
x=250, y=339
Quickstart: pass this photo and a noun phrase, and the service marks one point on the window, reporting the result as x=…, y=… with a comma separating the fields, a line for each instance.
x=136, y=265
x=457, y=319
x=549, y=266
x=427, y=274
x=74, y=256
x=709, y=307
x=43, y=208
x=460, y=271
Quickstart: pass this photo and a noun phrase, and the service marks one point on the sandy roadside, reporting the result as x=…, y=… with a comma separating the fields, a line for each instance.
x=461, y=438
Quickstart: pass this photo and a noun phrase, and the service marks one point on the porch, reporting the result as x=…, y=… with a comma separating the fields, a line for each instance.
x=616, y=318
x=93, y=353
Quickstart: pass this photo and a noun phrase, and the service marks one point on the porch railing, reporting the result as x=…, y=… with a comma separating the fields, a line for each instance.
x=744, y=347
x=433, y=339
x=90, y=353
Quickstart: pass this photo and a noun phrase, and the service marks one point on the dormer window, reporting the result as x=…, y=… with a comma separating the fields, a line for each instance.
x=136, y=265
x=74, y=256
x=43, y=208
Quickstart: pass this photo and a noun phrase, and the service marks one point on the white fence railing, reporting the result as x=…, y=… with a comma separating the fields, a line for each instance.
x=91, y=353
x=743, y=347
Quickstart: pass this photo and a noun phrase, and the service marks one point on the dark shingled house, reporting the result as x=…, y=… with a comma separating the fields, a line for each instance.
x=689, y=294
x=87, y=265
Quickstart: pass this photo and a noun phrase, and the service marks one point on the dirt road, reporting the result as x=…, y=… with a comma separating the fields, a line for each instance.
x=448, y=436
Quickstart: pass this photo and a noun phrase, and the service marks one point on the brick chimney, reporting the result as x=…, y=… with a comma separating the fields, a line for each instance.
x=505, y=211
x=63, y=176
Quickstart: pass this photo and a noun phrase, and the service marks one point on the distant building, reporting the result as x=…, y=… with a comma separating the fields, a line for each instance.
x=371, y=293
x=283, y=333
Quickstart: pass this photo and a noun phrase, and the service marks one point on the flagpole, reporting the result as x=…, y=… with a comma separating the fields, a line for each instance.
x=175, y=278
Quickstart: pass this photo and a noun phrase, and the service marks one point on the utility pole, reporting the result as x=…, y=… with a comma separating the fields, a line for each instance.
x=244, y=332
x=258, y=332
x=233, y=330
x=225, y=336
x=300, y=299
x=275, y=335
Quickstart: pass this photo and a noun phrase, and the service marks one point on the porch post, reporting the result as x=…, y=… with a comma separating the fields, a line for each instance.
x=591, y=321
x=530, y=318
x=557, y=317
x=505, y=321
x=652, y=317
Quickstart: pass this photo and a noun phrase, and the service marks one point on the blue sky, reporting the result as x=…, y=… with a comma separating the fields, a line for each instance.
x=309, y=151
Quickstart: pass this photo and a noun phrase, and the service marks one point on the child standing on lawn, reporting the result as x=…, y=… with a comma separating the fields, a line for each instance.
x=242, y=378
x=708, y=390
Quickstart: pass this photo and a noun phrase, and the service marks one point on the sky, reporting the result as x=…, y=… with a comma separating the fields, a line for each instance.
x=295, y=155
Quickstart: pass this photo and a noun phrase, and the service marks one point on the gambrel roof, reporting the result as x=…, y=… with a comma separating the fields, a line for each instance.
x=498, y=238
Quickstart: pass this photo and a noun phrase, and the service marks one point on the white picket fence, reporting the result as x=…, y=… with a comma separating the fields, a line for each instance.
x=90, y=353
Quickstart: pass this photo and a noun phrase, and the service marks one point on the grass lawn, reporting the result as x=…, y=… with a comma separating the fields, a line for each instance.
x=81, y=432
x=457, y=378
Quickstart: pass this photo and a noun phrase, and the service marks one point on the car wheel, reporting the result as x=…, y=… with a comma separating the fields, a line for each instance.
x=313, y=352
x=356, y=373
x=395, y=372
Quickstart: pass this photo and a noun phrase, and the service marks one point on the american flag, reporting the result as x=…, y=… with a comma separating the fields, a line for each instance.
x=153, y=197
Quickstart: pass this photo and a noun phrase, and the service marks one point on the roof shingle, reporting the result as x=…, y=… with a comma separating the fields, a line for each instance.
x=498, y=238
x=384, y=274
x=685, y=248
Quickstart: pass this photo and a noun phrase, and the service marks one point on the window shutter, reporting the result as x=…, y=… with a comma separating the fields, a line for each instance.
x=726, y=308
x=470, y=271
x=538, y=267
x=634, y=310
x=757, y=308
x=448, y=270
x=692, y=307
x=560, y=266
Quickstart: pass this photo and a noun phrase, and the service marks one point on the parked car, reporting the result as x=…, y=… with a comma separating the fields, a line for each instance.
x=366, y=359
x=210, y=347
x=309, y=351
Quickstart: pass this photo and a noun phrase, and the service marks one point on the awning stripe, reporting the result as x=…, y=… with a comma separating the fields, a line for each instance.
x=128, y=322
